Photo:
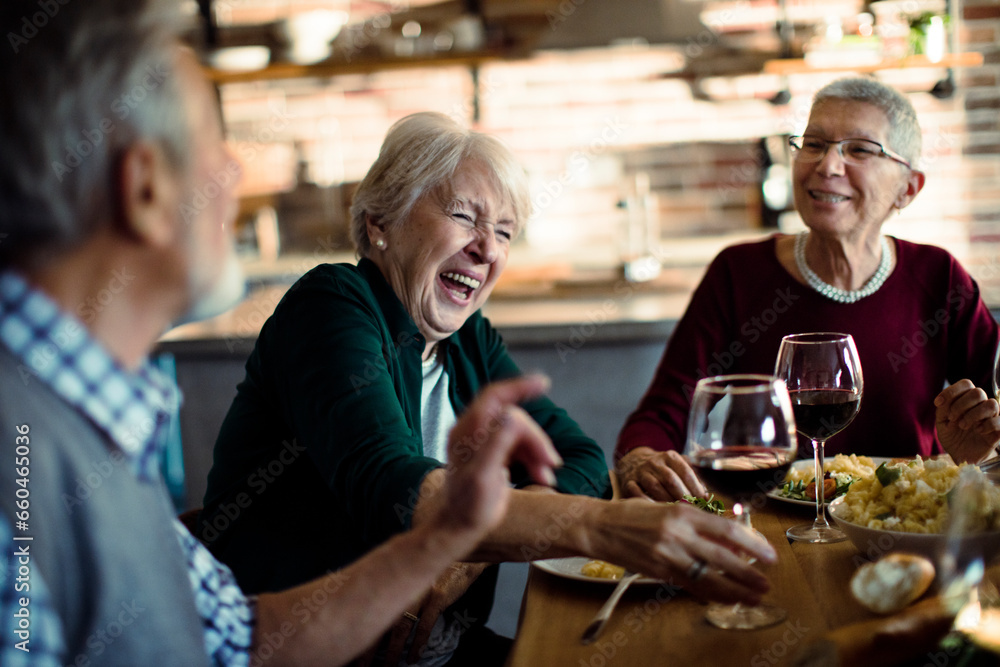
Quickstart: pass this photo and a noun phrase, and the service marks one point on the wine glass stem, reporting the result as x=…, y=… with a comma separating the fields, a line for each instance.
x=821, y=521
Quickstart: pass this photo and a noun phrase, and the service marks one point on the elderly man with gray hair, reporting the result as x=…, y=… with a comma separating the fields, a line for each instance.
x=116, y=189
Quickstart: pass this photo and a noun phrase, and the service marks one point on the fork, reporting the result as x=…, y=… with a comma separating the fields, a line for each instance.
x=596, y=626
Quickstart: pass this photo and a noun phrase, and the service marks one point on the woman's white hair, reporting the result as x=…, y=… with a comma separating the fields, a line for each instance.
x=904, y=128
x=422, y=152
x=85, y=84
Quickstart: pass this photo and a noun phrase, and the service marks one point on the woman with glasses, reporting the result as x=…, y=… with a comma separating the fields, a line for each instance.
x=916, y=315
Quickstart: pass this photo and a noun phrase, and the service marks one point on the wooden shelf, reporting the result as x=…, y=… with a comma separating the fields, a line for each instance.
x=328, y=69
x=361, y=66
x=800, y=66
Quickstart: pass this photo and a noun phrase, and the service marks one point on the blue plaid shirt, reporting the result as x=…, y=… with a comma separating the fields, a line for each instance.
x=131, y=408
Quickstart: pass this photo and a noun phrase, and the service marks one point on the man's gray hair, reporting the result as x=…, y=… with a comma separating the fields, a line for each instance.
x=421, y=152
x=81, y=81
x=904, y=128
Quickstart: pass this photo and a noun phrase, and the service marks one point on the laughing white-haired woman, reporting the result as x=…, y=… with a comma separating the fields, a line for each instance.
x=357, y=378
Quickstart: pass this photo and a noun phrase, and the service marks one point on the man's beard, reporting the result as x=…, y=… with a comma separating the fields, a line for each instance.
x=227, y=291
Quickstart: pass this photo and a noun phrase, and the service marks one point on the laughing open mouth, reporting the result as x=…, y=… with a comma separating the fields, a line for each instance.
x=828, y=197
x=461, y=286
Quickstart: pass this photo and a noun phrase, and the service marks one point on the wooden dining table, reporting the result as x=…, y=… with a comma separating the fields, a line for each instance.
x=661, y=624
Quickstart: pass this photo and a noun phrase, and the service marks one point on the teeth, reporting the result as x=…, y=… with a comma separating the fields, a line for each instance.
x=465, y=280
x=827, y=197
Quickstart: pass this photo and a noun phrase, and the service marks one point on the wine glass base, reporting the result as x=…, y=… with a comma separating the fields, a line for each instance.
x=742, y=617
x=815, y=534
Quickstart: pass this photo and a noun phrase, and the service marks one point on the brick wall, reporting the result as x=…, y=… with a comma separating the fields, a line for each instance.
x=586, y=123
x=979, y=30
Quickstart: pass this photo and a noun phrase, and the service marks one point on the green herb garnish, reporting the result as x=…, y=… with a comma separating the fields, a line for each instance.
x=842, y=487
x=886, y=475
x=709, y=504
x=794, y=490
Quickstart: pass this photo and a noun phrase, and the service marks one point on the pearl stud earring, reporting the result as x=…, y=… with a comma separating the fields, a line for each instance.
x=380, y=244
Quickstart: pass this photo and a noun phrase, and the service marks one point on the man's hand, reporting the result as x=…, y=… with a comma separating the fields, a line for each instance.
x=492, y=433
x=468, y=498
x=446, y=590
x=968, y=424
x=665, y=476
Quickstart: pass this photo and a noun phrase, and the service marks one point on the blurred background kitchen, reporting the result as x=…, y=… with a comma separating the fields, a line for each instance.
x=654, y=133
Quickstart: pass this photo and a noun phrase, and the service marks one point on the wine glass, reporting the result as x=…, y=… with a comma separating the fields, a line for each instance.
x=741, y=440
x=823, y=374
x=739, y=616
x=741, y=433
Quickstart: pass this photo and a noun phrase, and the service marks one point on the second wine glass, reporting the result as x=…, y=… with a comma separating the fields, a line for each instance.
x=823, y=374
x=741, y=434
x=741, y=440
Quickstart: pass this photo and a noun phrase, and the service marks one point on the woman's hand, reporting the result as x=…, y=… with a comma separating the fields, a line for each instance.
x=665, y=541
x=968, y=424
x=646, y=473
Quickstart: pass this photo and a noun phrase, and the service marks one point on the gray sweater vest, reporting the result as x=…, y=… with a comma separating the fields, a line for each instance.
x=103, y=539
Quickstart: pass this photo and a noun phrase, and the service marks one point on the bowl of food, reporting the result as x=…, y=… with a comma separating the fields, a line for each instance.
x=908, y=506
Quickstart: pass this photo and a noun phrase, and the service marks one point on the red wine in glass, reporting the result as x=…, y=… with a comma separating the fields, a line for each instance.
x=740, y=471
x=822, y=372
x=741, y=441
x=821, y=413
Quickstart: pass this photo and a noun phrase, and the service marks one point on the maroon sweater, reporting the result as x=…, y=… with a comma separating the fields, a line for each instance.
x=926, y=326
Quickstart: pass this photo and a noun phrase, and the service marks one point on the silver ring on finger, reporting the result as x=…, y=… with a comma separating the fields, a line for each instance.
x=697, y=570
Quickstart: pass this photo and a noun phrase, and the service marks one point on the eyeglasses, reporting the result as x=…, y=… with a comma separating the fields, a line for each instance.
x=809, y=148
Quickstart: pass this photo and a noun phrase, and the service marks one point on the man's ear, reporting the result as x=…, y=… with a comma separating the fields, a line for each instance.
x=148, y=195
x=914, y=184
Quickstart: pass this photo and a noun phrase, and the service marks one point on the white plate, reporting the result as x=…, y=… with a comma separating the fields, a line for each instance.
x=569, y=568
x=808, y=463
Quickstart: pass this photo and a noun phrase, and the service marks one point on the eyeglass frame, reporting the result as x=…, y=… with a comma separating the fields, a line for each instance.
x=883, y=151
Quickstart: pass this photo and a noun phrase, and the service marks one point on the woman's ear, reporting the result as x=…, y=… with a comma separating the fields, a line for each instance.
x=914, y=184
x=375, y=229
x=148, y=195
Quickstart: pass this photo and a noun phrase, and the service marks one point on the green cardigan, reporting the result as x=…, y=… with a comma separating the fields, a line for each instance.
x=320, y=456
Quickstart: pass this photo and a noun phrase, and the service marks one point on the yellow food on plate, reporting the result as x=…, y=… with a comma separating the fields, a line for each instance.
x=915, y=498
x=600, y=569
x=860, y=467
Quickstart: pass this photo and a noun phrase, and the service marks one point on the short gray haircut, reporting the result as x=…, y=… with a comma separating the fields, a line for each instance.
x=83, y=80
x=904, y=128
x=422, y=152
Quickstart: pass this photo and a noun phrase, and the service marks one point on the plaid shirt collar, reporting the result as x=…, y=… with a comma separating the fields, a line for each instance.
x=132, y=408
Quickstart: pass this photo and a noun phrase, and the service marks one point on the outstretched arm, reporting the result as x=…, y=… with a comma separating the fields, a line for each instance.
x=660, y=540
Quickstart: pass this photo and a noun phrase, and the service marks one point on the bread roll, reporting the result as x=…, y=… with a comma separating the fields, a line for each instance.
x=892, y=583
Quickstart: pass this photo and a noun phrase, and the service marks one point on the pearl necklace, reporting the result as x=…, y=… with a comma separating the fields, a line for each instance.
x=835, y=293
